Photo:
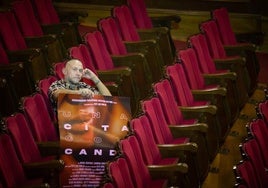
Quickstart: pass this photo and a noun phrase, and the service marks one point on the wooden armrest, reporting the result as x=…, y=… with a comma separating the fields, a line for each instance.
x=211, y=109
x=165, y=21
x=186, y=130
x=49, y=148
x=42, y=41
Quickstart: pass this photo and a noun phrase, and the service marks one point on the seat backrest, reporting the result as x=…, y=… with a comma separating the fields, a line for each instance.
x=46, y=12
x=99, y=51
x=199, y=44
x=57, y=68
x=138, y=170
x=209, y=28
x=180, y=86
x=143, y=132
x=262, y=109
x=11, y=35
x=154, y=112
x=3, y=54
x=125, y=23
x=43, y=87
x=252, y=150
x=42, y=127
x=119, y=171
x=12, y=172
x=191, y=68
x=111, y=35
x=139, y=13
x=27, y=20
x=166, y=97
x=245, y=173
x=259, y=130
x=221, y=16
x=21, y=136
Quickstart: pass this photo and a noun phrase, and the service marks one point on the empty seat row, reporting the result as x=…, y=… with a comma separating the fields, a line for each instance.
x=251, y=170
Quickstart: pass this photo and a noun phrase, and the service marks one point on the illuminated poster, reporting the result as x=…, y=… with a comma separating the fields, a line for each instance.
x=89, y=130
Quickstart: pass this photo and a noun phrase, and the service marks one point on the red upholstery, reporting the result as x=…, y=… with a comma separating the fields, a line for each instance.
x=223, y=21
x=144, y=135
x=139, y=12
x=47, y=14
x=218, y=51
x=57, y=68
x=262, y=110
x=129, y=32
x=197, y=81
x=143, y=21
x=163, y=135
x=119, y=171
x=12, y=173
x=10, y=32
x=180, y=87
x=194, y=75
x=139, y=63
x=259, y=130
x=138, y=170
x=245, y=174
x=253, y=152
x=151, y=153
x=21, y=135
x=103, y=61
x=26, y=18
x=43, y=86
x=125, y=23
x=42, y=127
x=117, y=45
x=99, y=51
x=207, y=66
x=174, y=115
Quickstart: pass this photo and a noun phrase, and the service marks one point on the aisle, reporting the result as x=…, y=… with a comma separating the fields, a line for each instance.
x=221, y=172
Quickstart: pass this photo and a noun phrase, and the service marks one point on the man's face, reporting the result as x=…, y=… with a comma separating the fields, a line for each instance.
x=73, y=71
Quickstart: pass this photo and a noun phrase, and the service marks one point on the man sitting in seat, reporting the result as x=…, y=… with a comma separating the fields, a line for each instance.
x=71, y=84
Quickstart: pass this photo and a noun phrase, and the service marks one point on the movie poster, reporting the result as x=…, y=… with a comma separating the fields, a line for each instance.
x=89, y=130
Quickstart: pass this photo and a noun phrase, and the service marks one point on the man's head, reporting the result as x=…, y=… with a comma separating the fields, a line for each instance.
x=73, y=71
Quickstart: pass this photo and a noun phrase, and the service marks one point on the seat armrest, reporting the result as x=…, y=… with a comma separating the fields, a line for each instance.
x=167, y=171
x=49, y=148
x=25, y=55
x=186, y=130
x=132, y=60
x=44, y=165
x=42, y=41
x=226, y=75
x=256, y=38
x=211, y=109
x=170, y=21
x=173, y=149
x=110, y=76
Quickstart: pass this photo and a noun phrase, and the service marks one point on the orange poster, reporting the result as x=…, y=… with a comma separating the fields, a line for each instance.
x=89, y=130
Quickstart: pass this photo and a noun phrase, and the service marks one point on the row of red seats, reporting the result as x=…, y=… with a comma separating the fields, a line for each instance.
x=251, y=170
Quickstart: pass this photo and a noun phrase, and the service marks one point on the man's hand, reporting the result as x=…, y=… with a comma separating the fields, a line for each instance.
x=87, y=93
x=89, y=74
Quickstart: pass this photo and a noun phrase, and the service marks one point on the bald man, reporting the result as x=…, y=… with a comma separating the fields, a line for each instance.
x=71, y=84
